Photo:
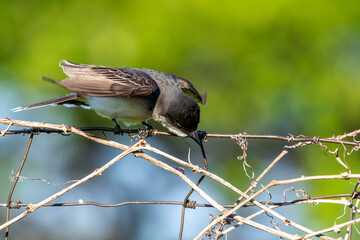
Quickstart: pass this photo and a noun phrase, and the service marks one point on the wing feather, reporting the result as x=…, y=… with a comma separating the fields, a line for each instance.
x=101, y=81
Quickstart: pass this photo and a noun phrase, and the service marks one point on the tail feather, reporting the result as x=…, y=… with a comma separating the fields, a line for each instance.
x=50, y=80
x=55, y=101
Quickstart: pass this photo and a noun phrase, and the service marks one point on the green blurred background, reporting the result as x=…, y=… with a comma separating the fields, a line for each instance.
x=269, y=67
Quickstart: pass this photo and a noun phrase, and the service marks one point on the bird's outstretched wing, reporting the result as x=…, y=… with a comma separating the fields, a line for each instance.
x=100, y=81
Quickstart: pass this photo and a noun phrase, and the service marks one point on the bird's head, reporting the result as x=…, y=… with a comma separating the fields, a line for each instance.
x=183, y=117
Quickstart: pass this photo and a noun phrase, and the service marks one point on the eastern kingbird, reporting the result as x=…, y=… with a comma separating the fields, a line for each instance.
x=130, y=95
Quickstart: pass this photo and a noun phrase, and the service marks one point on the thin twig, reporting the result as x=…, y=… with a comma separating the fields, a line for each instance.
x=267, y=169
x=186, y=199
x=336, y=228
x=204, y=195
x=34, y=207
x=105, y=205
x=271, y=184
x=15, y=182
x=352, y=210
x=227, y=184
x=41, y=128
x=2, y=133
x=18, y=204
x=244, y=199
x=316, y=200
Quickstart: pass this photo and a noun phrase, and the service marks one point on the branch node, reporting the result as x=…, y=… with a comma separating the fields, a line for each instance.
x=2, y=133
x=15, y=204
x=345, y=175
x=30, y=208
x=316, y=140
x=357, y=195
x=143, y=143
x=66, y=128
x=190, y=204
x=98, y=170
x=337, y=229
x=286, y=222
x=196, y=169
x=290, y=137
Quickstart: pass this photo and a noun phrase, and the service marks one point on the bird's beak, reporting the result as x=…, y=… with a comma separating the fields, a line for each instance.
x=198, y=139
x=195, y=136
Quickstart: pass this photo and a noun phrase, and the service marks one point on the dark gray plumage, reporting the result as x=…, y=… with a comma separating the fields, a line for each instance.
x=130, y=95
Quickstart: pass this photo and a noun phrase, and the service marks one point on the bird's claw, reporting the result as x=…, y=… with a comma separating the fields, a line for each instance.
x=118, y=130
x=150, y=132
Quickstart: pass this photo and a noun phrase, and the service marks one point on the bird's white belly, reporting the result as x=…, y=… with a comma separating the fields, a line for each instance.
x=130, y=111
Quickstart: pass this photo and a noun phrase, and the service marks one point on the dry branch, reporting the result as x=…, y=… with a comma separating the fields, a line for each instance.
x=226, y=215
x=33, y=207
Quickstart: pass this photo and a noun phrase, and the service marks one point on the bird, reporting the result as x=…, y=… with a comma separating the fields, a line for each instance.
x=130, y=95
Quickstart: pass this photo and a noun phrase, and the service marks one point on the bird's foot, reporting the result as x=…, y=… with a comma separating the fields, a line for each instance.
x=150, y=130
x=117, y=128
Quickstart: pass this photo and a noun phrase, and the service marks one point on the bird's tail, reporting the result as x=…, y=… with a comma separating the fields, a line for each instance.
x=55, y=101
x=50, y=80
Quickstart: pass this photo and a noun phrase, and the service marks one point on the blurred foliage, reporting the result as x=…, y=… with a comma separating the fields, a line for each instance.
x=269, y=67
x=283, y=66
